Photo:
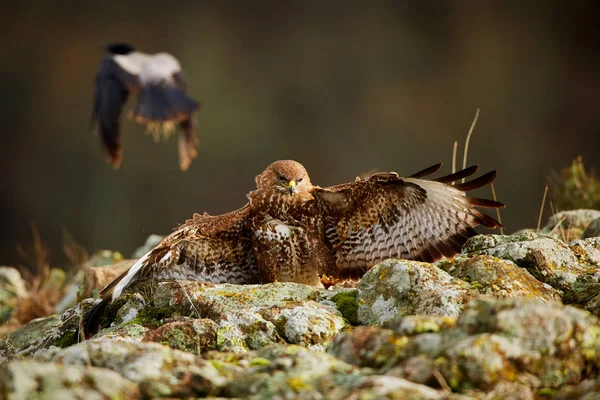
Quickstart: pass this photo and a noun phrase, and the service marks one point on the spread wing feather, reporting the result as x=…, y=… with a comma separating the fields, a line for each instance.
x=215, y=249
x=385, y=216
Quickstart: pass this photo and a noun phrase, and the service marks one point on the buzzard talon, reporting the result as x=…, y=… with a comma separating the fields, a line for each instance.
x=289, y=236
x=329, y=280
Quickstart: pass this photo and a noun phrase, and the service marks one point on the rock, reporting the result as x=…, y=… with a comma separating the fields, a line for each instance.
x=158, y=370
x=573, y=224
x=26, y=339
x=150, y=243
x=71, y=292
x=593, y=229
x=194, y=336
x=399, y=288
x=500, y=278
x=289, y=372
x=296, y=372
x=12, y=287
x=586, y=390
x=416, y=324
x=515, y=343
x=587, y=250
x=36, y=380
x=253, y=316
x=549, y=260
x=96, y=277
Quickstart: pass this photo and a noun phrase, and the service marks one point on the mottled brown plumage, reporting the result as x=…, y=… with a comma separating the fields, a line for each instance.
x=293, y=231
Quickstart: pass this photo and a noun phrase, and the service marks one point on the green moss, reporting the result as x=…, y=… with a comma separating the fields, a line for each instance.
x=259, y=361
x=546, y=392
x=348, y=306
x=68, y=339
x=151, y=315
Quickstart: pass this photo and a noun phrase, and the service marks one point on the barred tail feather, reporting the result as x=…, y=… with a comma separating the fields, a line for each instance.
x=110, y=293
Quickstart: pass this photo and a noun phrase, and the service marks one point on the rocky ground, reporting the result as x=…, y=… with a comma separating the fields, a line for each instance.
x=513, y=316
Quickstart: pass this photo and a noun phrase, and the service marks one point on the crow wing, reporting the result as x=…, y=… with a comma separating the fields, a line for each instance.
x=113, y=85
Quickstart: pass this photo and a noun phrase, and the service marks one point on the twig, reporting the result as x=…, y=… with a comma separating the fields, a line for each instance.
x=497, y=209
x=454, y=150
x=468, y=139
x=542, y=209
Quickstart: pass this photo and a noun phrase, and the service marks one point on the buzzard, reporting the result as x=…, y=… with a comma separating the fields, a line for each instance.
x=291, y=230
x=162, y=103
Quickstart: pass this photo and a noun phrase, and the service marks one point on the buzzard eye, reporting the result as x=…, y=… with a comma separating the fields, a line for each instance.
x=282, y=178
x=299, y=180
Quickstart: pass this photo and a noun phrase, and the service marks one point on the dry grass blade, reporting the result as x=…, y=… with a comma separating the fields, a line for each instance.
x=75, y=253
x=469, y=139
x=497, y=209
x=542, y=209
x=37, y=259
x=454, y=150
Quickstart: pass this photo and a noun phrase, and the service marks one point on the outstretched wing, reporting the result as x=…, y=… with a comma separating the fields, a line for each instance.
x=215, y=249
x=385, y=216
x=112, y=89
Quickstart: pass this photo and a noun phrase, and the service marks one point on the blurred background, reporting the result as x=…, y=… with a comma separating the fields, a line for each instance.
x=343, y=87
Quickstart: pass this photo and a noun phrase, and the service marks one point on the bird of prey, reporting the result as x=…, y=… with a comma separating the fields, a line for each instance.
x=162, y=103
x=291, y=230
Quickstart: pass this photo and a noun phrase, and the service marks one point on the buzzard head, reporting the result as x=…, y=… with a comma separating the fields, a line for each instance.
x=285, y=177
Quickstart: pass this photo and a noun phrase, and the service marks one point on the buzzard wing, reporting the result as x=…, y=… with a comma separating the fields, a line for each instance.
x=112, y=89
x=215, y=249
x=385, y=216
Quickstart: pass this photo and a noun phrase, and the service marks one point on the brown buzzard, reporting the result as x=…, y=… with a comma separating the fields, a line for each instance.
x=162, y=104
x=293, y=231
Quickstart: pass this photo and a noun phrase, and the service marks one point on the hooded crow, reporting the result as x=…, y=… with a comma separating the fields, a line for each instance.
x=162, y=103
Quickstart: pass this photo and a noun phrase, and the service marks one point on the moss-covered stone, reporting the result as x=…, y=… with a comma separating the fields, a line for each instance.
x=348, y=305
x=158, y=370
x=194, y=336
x=499, y=278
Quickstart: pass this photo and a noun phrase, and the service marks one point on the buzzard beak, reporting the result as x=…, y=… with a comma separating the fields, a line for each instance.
x=291, y=186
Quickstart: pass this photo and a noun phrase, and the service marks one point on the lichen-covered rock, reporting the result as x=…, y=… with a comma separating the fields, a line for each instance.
x=398, y=288
x=571, y=224
x=27, y=338
x=586, y=390
x=253, y=316
x=593, y=229
x=194, y=335
x=416, y=324
x=158, y=370
x=499, y=278
x=549, y=260
x=12, y=287
x=290, y=372
x=587, y=250
x=516, y=342
x=37, y=380
x=241, y=331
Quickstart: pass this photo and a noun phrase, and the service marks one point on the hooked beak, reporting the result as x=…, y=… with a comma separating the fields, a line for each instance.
x=291, y=186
